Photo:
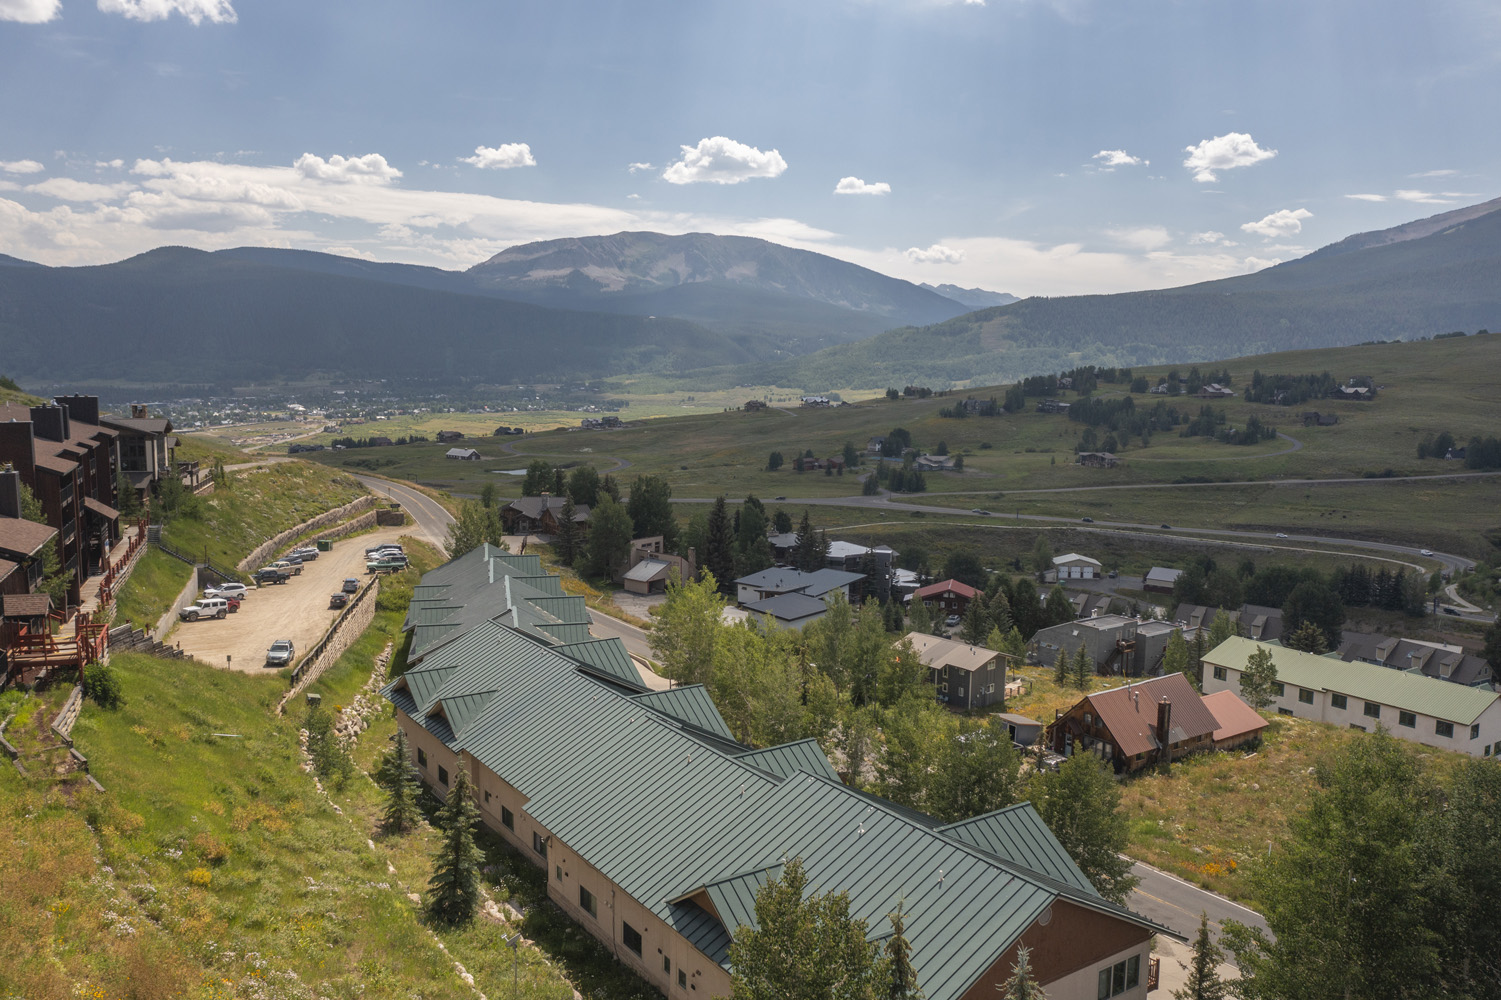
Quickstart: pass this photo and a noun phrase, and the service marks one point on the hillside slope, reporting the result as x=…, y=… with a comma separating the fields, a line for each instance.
x=1429, y=277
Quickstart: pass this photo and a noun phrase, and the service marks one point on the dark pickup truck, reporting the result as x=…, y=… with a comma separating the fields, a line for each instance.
x=272, y=575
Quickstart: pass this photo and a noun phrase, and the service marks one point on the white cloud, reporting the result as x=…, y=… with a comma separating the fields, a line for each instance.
x=935, y=254
x=1259, y=263
x=1284, y=222
x=20, y=166
x=1224, y=152
x=197, y=11
x=114, y=164
x=371, y=168
x=1210, y=238
x=29, y=11
x=1367, y=197
x=635, y=168
x=1424, y=197
x=1119, y=158
x=1142, y=237
x=67, y=189
x=854, y=185
x=718, y=160
x=1435, y=173
x=502, y=157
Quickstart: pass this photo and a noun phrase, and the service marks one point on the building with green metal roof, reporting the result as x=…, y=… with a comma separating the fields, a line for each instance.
x=1358, y=695
x=656, y=828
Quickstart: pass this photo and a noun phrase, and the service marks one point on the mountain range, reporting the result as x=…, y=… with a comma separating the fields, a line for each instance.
x=709, y=309
x=564, y=309
x=1431, y=276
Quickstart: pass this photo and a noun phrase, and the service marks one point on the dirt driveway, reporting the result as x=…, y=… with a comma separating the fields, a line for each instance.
x=296, y=610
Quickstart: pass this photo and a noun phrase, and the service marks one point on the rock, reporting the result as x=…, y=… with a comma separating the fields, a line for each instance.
x=414, y=897
x=1255, y=786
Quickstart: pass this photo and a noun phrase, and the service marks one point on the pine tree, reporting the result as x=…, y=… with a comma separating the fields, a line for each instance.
x=1308, y=638
x=1021, y=985
x=1060, y=667
x=453, y=895
x=397, y=776
x=567, y=542
x=805, y=541
x=976, y=624
x=1083, y=667
x=719, y=547
x=1203, y=975
x=1257, y=678
x=899, y=959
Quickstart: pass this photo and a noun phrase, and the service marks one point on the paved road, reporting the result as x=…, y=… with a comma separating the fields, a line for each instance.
x=1174, y=903
x=432, y=519
x=604, y=627
x=1362, y=481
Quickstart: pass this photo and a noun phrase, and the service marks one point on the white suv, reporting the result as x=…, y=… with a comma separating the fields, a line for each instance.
x=205, y=607
x=227, y=590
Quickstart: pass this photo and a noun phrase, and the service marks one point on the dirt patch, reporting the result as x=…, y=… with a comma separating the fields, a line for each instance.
x=296, y=610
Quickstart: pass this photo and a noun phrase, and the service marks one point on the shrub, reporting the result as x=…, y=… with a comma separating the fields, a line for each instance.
x=101, y=685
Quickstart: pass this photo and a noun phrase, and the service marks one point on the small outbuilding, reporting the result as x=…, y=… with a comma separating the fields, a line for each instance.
x=462, y=454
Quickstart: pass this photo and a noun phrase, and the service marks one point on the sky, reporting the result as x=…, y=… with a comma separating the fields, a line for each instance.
x=1038, y=147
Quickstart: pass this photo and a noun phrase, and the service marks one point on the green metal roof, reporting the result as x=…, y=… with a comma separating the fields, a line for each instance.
x=790, y=758
x=607, y=658
x=567, y=610
x=691, y=704
x=1401, y=689
x=565, y=635
x=1017, y=834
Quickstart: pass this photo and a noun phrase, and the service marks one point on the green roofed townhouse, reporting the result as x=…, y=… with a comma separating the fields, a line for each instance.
x=656, y=828
x=1407, y=703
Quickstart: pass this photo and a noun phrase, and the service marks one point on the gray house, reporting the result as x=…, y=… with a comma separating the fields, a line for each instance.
x=1118, y=644
x=963, y=676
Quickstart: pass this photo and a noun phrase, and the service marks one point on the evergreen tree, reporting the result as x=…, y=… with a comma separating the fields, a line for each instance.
x=1083, y=667
x=1021, y=985
x=559, y=482
x=487, y=495
x=1060, y=667
x=583, y=485
x=1175, y=658
x=453, y=895
x=610, y=486
x=804, y=949
x=567, y=542
x=1000, y=607
x=1221, y=628
x=752, y=550
x=1059, y=608
x=1257, y=679
x=127, y=501
x=650, y=508
x=609, y=539
x=782, y=521
x=399, y=779
x=718, y=557
x=899, y=957
x=538, y=478
x=1307, y=638
x=1203, y=975
x=805, y=542
x=1080, y=803
x=976, y=624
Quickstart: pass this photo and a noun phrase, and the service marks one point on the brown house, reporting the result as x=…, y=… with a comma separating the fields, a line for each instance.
x=1143, y=723
x=539, y=515
x=22, y=542
x=949, y=596
x=448, y=437
x=1098, y=459
x=68, y=461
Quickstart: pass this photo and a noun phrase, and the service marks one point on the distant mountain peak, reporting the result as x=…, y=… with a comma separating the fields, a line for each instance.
x=1414, y=230
x=975, y=298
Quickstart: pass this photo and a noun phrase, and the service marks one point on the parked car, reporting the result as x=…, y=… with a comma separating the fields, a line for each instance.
x=386, y=547
x=1089, y=520
x=1113, y=574
x=294, y=560
x=236, y=590
x=271, y=574
x=952, y=620
x=204, y=607
x=337, y=601
x=281, y=653
x=351, y=585
x=234, y=604
x=307, y=553
x=386, y=564
x=287, y=567
x=1450, y=611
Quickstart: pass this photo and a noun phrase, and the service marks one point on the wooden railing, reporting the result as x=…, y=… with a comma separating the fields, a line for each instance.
x=119, y=567
x=1154, y=973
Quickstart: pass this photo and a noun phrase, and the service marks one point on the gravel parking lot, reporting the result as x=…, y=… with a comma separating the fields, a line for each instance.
x=296, y=610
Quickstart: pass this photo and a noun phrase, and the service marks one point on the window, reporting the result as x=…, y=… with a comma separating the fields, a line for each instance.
x=507, y=818
x=587, y=903
x=1408, y=719
x=1278, y=690
x=1354, y=726
x=682, y=980
x=1444, y=729
x=1475, y=731
x=421, y=757
x=538, y=844
x=666, y=964
x=559, y=869
x=632, y=937
x=442, y=774
x=1219, y=673
x=487, y=795
x=1373, y=710
x=1339, y=701
x=1088, y=719
x=1305, y=696
x=1284, y=711
x=1487, y=749
x=1120, y=977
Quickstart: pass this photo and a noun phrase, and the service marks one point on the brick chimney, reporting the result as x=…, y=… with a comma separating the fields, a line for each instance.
x=10, y=492
x=1164, y=722
x=50, y=423
x=84, y=409
x=139, y=411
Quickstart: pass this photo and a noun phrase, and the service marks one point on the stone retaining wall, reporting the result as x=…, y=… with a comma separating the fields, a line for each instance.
x=364, y=521
x=265, y=550
x=342, y=634
x=62, y=726
x=188, y=596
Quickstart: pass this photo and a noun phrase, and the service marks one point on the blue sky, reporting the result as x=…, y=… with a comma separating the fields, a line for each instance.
x=1027, y=146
